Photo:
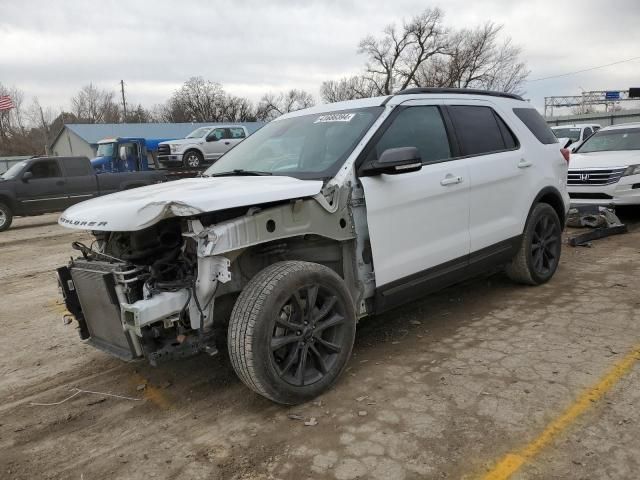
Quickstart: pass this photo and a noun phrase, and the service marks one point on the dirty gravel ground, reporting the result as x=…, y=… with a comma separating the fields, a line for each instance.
x=442, y=388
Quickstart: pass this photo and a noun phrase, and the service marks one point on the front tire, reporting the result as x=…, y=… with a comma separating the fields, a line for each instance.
x=6, y=217
x=291, y=331
x=192, y=159
x=539, y=253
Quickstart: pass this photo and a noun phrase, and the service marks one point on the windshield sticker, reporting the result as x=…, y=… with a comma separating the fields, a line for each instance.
x=335, y=117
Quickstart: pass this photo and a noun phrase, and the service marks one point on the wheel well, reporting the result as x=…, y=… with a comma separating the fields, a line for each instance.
x=555, y=200
x=193, y=149
x=8, y=202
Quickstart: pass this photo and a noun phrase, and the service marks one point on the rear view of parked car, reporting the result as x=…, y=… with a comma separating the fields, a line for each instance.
x=605, y=169
x=321, y=218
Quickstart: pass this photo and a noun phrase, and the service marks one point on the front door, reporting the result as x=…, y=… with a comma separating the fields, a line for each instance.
x=45, y=191
x=418, y=222
x=214, y=145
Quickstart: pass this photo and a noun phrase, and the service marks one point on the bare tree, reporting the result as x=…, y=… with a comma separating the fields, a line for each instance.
x=94, y=105
x=424, y=53
x=396, y=57
x=347, y=88
x=272, y=106
x=475, y=58
x=200, y=100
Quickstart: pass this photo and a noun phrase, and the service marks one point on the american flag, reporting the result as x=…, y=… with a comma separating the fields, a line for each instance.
x=6, y=103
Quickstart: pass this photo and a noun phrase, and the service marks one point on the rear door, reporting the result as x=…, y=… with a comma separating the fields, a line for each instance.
x=500, y=174
x=234, y=136
x=418, y=222
x=45, y=191
x=81, y=179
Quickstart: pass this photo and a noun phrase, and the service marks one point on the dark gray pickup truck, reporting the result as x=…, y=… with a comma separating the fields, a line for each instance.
x=51, y=184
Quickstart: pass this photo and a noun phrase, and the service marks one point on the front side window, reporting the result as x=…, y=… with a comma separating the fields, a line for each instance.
x=421, y=127
x=587, y=133
x=612, y=140
x=308, y=146
x=479, y=131
x=45, y=169
x=217, y=134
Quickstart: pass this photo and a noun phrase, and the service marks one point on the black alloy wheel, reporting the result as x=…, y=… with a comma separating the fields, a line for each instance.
x=308, y=335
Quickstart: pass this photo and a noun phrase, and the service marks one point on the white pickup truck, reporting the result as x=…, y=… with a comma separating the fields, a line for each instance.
x=202, y=146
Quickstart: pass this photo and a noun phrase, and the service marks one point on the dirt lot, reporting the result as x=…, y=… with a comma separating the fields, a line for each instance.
x=474, y=380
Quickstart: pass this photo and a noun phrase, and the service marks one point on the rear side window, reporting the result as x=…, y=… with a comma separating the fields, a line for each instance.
x=480, y=130
x=536, y=124
x=75, y=167
x=421, y=127
x=236, y=133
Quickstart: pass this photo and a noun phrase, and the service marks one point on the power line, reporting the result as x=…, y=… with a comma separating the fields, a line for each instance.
x=585, y=70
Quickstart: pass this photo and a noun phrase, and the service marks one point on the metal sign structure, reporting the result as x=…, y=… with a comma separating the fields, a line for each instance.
x=607, y=98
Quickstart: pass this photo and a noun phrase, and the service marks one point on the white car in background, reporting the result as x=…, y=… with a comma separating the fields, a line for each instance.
x=201, y=147
x=605, y=169
x=572, y=136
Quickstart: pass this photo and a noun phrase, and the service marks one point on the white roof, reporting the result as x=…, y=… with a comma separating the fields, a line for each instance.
x=576, y=125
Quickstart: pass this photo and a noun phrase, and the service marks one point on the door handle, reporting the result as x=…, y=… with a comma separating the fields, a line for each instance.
x=60, y=183
x=450, y=180
x=524, y=163
x=226, y=143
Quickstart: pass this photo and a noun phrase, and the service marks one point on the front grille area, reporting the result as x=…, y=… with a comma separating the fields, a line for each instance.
x=594, y=176
x=164, y=150
x=94, y=284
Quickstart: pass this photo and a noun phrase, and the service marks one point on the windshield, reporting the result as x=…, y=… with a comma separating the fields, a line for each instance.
x=105, y=150
x=199, y=132
x=307, y=147
x=612, y=140
x=14, y=170
x=572, y=133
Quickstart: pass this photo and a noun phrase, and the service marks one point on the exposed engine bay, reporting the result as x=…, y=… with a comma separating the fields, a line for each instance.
x=166, y=291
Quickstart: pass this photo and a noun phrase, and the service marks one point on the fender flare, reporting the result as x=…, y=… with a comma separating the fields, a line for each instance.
x=553, y=197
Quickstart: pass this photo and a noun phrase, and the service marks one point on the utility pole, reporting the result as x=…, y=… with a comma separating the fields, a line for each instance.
x=124, y=103
x=45, y=129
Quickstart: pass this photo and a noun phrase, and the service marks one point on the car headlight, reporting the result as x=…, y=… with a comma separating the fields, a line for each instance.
x=632, y=170
x=174, y=147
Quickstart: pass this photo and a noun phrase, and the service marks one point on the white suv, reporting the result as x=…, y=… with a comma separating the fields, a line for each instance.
x=605, y=169
x=322, y=217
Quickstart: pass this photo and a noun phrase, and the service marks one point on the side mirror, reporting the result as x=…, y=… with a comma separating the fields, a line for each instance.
x=212, y=138
x=26, y=176
x=394, y=161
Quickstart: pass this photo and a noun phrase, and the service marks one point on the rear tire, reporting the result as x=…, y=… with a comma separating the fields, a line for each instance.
x=192, y=159
x=6, y=217
x=539, y=253
x=279, y=347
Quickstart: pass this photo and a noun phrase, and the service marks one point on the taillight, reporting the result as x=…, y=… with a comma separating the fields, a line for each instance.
x=566, y=153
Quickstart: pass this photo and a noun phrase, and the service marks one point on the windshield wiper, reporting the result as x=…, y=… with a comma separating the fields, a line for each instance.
x=240, y=173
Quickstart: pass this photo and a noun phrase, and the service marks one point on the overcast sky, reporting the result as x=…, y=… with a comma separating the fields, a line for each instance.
x=50, y=48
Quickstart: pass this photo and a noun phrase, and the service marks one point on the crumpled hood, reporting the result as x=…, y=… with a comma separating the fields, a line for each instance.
x=142, y=207
x=622, y=158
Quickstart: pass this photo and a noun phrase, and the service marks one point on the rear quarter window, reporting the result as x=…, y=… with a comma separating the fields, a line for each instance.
x=536, y=125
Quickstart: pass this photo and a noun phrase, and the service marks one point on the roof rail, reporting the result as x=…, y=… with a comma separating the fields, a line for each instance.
x=465, y=91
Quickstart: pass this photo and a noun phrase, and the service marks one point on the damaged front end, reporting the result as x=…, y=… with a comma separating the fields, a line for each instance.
x=145, y=293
